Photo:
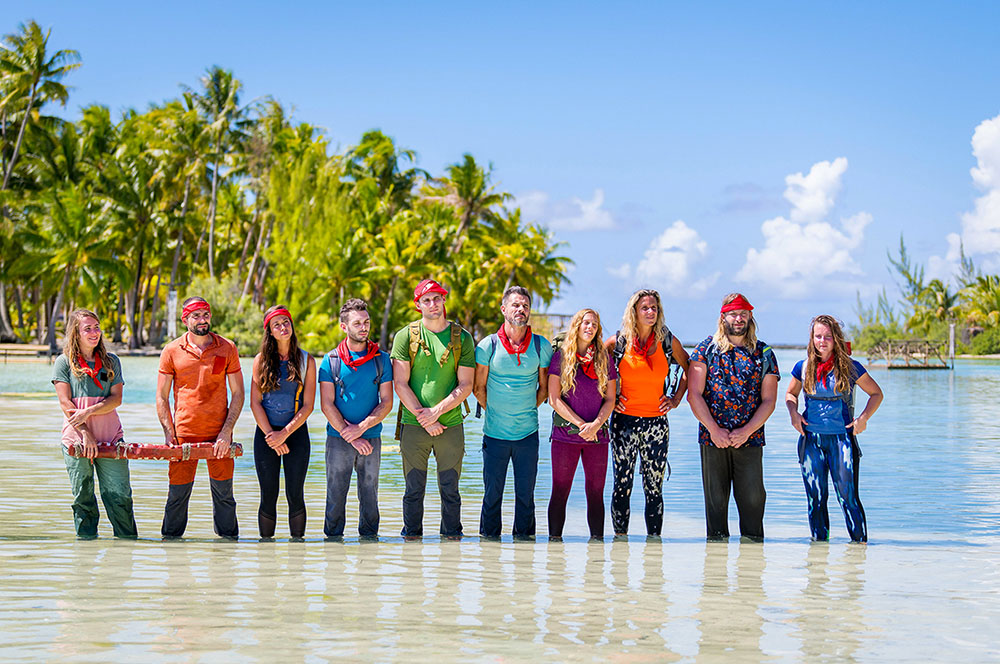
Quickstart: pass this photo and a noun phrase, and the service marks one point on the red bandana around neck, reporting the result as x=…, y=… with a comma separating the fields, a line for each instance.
x=509, y=346
x=643, y=349
x=586, y=362
x=345, y=354
x=93, y=373
x=822, y=369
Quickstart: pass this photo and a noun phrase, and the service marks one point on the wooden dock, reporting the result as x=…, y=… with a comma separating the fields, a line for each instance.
x=25, y=353
x=909, y=354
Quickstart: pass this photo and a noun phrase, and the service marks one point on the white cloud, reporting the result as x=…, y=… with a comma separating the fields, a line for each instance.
x=575, y=214
x=980, y=233
x=669, y=263
x=806, y=252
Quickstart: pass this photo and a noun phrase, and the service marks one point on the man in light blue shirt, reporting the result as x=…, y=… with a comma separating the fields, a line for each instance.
x=511, y=382
x=355, y=383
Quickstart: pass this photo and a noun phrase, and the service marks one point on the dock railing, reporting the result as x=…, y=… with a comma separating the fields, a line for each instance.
x=909, y=354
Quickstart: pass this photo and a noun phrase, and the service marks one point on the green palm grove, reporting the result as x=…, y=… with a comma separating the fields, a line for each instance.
x=232, y=199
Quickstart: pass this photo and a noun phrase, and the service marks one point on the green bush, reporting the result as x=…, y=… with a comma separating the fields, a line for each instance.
x=986, y=342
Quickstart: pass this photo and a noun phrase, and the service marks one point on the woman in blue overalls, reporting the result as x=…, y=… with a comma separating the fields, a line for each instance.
x=828, y=426
x=282, y=393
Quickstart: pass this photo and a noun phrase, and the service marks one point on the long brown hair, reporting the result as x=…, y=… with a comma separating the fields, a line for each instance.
x=71, y=344
x=722, y=341
x=843, y=368
x=270, y=361
x=630, y=320
x=567, y=365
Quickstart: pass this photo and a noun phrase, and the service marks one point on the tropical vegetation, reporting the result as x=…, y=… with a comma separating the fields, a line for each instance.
x=927, y=309
x=209, y=193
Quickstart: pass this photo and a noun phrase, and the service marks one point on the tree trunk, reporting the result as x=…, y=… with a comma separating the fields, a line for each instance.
x=510, y=279
x=132, y=304
x=6, y=329
x=119, y=314
x=180, y=233
x=246, y=242
x=463, y=227
x=20, y=137
x=383, y=334
x=51, y=334
x=141, y=318
x=211, y=208
x=153, y=336
x=265, y=234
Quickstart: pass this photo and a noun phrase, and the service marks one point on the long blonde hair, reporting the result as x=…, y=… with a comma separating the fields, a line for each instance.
x=71, y=344
x=568, y=363
x=843, y=368
x=722, y=341
x=630, y=319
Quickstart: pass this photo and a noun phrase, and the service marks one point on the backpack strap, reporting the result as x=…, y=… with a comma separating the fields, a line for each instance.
x=493, y=351
x=616, y=355
x=416, y=341
x=379, y=367
x=335, y=367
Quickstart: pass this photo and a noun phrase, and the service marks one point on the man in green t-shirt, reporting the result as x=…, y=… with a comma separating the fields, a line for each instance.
x=433, y=365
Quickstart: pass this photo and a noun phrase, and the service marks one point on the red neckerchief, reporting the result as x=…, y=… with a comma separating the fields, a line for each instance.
x=643, y=349
x=822, y=369
x=92, y=372
x=345, y=354
x=586, y=362
x=511, y=348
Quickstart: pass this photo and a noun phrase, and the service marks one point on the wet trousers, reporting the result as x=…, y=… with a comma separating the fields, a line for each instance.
x=742, y=470
x=342, y=460
x=646, y=438
x=497, y=455
x=836, y=454
x=268, y=464
x=182, y=473
x=116, y=494
x=565, y=458
x=416, y=446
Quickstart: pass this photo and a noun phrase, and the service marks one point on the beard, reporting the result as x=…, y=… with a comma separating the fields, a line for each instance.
x=731, y=330
x=517, y=320
x=201, y=330
x=358, y=338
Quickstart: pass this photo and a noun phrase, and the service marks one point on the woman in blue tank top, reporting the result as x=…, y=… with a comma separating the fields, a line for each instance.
x=282, y=392
x=828, y=426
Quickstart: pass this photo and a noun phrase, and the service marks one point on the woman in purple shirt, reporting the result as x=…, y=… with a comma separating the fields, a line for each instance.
x=582, y=394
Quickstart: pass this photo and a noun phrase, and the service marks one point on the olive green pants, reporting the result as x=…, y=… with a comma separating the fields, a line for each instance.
x=416, y=446
x=116, y=494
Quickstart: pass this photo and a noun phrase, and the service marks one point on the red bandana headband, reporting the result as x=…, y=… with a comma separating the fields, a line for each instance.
x=194, y=306
x=276, y=312
x=428, y=286
x=738, y=304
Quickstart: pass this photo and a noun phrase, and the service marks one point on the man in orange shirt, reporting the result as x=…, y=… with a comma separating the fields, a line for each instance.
x=198, y=365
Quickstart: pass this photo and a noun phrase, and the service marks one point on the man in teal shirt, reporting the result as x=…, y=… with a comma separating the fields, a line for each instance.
x=511, y=382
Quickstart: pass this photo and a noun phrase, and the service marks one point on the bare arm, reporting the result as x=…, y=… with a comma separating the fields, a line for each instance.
x=257, y=398
x=236, y=390
x=401, y=383
x=697, y=375
x=874, y=392
x=65, y=394
x=479, y=385
x=163, y=384
x=560, y=406
x=768, y=399
x=792, y=404
x=466, y=376
x=543, y=386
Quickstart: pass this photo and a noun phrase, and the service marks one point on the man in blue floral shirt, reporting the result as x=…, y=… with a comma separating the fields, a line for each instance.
x=732, y=388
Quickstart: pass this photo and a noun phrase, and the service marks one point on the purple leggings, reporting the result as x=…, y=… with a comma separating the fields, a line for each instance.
x=565, y=457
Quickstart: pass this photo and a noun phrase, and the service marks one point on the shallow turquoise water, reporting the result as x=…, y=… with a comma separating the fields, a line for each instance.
x=926, y=588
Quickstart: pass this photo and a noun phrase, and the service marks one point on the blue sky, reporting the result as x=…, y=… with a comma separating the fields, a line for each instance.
x=660, y=141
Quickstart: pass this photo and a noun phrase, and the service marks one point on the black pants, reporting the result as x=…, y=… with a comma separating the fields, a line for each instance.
x=268, y=464
x=742, y=469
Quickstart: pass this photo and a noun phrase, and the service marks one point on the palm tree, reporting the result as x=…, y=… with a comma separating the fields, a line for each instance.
x=466, y=188
x=376, y=158
x=219, y=104
x=982, y=298
x=71, y=246
x=31, y=77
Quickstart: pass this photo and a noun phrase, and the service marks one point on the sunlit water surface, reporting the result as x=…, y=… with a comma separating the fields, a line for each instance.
x=924, y=589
